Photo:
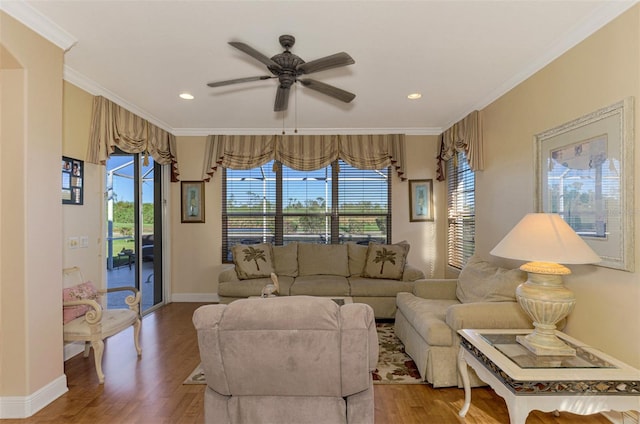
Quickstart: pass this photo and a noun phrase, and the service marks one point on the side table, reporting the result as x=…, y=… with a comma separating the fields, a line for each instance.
x=587, y=383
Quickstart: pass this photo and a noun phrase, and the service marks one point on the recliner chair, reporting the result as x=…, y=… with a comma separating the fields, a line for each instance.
x=297, y=359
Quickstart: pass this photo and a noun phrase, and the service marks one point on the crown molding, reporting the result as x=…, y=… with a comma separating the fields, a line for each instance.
x=303, y=131
x=599, y=18
x=76, y=78
x=36, y=21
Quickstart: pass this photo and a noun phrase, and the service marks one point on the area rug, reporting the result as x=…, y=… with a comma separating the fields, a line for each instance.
x=394, y=365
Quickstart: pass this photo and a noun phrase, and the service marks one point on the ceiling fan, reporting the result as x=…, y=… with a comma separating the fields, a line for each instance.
x=288, y=68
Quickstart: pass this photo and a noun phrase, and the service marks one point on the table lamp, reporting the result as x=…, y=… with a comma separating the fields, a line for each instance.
x=546, y=240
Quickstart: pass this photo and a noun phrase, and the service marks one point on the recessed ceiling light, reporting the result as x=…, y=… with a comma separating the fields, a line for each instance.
x=186, y=96
x=414, y=96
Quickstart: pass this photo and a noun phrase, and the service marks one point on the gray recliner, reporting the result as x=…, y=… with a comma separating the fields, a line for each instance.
x=296, y=359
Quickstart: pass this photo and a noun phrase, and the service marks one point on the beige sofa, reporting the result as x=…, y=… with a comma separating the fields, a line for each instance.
x=309, y=362
x=428, y=319
x=323, y=270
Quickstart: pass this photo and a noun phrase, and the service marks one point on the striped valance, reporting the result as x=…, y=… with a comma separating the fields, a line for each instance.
x=304, y=152
x=113, y=126
x=463, y=136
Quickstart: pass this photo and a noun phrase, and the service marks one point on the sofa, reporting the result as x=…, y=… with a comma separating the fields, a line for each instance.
x=373, y=274
x=427, y=320
x=295, y=359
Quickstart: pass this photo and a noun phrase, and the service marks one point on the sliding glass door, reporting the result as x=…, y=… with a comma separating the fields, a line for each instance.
x=134, y=228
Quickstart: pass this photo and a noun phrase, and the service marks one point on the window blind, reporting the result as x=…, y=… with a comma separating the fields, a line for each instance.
x=364, y=204
x=249, y=207
x=335, y=204
x=461, y=211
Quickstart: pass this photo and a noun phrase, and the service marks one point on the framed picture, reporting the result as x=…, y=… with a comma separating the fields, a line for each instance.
x=420, y=200
x=584, y=173
x=72, y=181
x=192, y=193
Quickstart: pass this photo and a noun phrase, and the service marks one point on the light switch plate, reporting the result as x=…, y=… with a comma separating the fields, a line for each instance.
x=74, y=242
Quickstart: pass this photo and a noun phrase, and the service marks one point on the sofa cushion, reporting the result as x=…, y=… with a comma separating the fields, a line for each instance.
x=481, y=281
x=357, y=258
x=285, y=259
x=320, y=285
x=376, y=287
x=427, y=316
x=253, y=261
x=323, y=259
x=81, y=291
x=385, y=260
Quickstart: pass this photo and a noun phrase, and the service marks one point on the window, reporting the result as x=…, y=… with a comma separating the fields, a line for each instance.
x=461, y=211
x=335, y=204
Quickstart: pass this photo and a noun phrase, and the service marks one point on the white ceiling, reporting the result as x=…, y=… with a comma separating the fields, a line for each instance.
x=460, y=55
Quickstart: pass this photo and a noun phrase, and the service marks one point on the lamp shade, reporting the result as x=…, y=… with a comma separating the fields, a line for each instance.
x=545, y=237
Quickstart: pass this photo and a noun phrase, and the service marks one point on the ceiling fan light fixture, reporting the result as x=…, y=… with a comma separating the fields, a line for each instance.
x=288, y=67
x=414, y=96
x=186, y=96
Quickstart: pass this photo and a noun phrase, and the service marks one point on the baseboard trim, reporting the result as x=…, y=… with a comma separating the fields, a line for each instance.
x=26, y=406
x=72, y=349
x=195, y=297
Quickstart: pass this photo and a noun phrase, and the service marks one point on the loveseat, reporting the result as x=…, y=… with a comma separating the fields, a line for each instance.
x=371, y=274
x=309, y=362
x=427, y=320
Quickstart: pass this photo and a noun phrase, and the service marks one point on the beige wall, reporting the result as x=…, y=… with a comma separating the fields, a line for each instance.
x=600, y=71
x=30, y=212
x=195, y=247
x=426, y=238
x=87, y=219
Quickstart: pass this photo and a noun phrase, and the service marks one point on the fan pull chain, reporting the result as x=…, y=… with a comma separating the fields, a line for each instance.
x=283, y=133
x=295, y=93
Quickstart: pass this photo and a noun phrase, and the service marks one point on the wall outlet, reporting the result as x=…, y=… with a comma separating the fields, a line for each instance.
x=74, y=243
x=84, y=241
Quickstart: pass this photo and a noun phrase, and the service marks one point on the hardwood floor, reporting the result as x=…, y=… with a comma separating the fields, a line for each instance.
x=150, y=389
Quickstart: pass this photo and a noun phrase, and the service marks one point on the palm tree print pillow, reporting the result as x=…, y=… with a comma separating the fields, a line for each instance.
x=385, y=261
x=253, y=261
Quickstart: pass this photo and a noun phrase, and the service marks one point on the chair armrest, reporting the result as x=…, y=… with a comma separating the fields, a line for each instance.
x=93, y=315
x=411, y=273
x=133, y=300
x=492, y=315
x=436, y=289
x=227, y=275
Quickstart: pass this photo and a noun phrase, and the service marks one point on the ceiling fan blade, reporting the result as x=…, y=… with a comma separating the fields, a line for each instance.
x=329, y=90
x=238, y=80
x=324, y=63
x=255, y=54
x=282, y=99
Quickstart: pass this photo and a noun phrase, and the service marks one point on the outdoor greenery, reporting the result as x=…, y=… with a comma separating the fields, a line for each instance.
x=124, y=223
x=310, y=216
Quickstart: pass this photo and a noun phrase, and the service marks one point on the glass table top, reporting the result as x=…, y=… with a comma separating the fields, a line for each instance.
x=521, y=356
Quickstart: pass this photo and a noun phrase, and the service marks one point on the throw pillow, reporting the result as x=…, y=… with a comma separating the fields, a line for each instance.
x=357, y=258
x=385, y=261
x=79, y=292
x=481, y=281
x=285, y=259
x=253, y=261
